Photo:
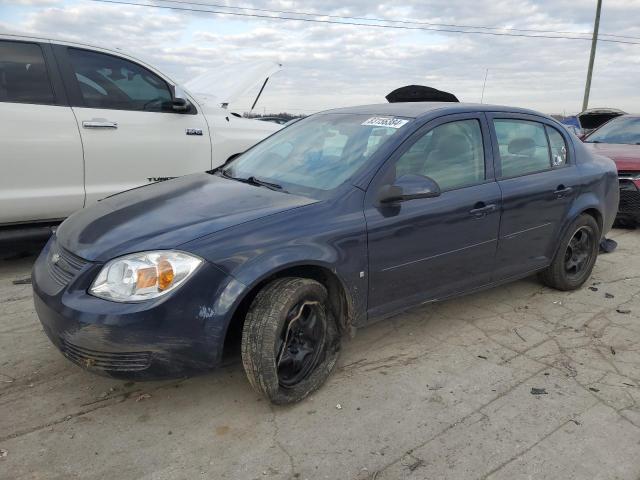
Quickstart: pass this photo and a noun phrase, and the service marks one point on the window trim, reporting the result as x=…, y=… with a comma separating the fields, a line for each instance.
x=53, y=80
x=419, y=133
x=545, y=122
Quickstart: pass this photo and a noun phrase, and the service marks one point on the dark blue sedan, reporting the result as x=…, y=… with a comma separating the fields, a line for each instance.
x=336, y=221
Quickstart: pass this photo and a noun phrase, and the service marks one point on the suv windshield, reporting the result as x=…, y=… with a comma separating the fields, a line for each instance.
x=619, y=130
x=317, y=154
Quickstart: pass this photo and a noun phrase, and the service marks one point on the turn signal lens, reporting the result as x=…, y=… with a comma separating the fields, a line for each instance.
x=165, y=275
x=143, y=276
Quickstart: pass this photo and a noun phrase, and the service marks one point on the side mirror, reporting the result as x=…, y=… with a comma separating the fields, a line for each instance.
x=181, y=105
x=408, y=187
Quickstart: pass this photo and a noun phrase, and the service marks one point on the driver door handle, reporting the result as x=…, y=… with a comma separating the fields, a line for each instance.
x=99, y=124
x=562, y=191
x=480, y=209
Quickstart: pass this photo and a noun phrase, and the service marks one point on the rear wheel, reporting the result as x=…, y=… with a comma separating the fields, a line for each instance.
x=290, y=341
x=576, y=256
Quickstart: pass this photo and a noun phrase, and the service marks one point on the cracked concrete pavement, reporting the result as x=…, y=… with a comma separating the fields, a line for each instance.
x=443, y=391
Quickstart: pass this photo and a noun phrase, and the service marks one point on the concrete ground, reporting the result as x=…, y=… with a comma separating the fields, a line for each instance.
x=444, y=391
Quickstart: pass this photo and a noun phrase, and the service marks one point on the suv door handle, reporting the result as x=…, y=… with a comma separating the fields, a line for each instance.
x=562, y=191
x=99, y=124
x=480, y=209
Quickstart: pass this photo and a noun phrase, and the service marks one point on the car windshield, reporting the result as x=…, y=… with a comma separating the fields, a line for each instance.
x=619, y=130
x=316, y=154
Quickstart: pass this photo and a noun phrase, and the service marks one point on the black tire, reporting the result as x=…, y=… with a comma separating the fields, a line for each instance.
x=290, y=340
x=575, y=257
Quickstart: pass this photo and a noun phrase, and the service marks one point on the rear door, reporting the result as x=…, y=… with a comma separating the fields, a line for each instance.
x=538, y=178
x=41, y=152
x=428, y=248
x=130, y=133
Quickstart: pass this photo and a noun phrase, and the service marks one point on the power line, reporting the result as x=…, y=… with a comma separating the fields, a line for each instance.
x=402, y=21
x=370, y=25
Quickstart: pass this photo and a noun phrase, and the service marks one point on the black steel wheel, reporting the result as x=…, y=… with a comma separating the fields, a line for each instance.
x=290, y=340
x=579, y=252
x=576, y=255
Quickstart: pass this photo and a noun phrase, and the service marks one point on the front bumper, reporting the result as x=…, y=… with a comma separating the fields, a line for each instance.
x=629, y=207
x=164, y=337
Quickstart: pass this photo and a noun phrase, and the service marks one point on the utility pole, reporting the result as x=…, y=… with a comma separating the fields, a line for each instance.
x=594, y=42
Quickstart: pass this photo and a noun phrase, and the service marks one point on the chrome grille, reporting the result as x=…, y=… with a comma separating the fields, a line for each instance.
x=63, y=265
x=107, y=361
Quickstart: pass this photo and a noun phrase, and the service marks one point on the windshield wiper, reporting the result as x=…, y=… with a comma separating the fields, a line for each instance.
x=254, y=181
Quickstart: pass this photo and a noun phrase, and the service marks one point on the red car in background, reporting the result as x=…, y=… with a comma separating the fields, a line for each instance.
x=619, y=139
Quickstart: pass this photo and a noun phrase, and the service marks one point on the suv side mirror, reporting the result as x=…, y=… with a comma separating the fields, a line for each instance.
x=408, y=187
x=181, y=105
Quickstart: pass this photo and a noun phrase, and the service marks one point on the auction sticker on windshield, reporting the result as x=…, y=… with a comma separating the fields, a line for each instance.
x=385, y=122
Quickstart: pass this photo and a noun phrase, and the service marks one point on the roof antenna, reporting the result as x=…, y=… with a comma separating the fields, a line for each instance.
x=484, y=84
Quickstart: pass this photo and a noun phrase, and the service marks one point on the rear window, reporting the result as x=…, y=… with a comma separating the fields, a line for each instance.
x=23, y=74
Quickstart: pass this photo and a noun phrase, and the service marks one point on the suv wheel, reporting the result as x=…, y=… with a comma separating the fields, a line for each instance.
x=290, y=341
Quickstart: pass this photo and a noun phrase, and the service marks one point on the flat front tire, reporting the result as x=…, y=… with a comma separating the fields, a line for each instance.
x=290, y=341
x=576, y=255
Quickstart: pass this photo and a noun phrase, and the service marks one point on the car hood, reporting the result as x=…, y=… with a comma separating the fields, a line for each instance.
x=626, y=157
x=167, y=214
x=226, y=83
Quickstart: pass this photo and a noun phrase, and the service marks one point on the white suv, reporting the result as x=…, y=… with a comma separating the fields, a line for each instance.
x=78, y=123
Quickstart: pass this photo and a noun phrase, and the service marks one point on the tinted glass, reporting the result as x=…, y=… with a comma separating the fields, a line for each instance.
x=317, y=153
x=558, y=148
x=624, y=130
x=452, y=154
x=523, y=147
x=106, y=81
x=23, y=74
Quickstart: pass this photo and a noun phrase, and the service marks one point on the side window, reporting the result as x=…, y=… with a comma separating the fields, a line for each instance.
x=523, y=147
x=558, y=148
x=106, y=81
x=23, y=74
x=452, y=154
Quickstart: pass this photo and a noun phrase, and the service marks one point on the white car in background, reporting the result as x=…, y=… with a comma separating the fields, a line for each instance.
x=79, y=123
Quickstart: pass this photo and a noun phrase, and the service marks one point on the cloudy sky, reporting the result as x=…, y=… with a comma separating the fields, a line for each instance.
x=328, y=65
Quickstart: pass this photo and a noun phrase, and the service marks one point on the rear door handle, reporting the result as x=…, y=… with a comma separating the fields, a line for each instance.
x=562, y=191
x=99, y=124
x=480, y=209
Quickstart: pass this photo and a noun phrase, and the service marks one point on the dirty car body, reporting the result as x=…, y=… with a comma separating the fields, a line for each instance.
x=388, y=206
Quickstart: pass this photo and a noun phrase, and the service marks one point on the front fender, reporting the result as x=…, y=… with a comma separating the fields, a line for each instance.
x=263, y=267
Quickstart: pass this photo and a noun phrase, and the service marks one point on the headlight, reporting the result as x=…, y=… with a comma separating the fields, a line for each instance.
x=145, y=275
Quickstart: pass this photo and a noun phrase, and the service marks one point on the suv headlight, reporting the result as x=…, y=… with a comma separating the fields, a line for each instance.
x=144, y=275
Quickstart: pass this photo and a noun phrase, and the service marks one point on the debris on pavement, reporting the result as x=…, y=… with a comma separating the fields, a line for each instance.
x=515, y=330
x=608, y=245
x=593, y=289
x=623, y=310
x=143, y=396
x=3, y=453
x=539, y=391
x=613, y=350
x=594, y=389
x=22, y=281
x=339, y=407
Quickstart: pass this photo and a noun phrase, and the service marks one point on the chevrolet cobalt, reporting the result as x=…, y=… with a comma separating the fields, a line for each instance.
x=338, y=220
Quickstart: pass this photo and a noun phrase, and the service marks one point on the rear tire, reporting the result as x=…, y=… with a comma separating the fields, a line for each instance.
x=290, y=341
x=575, y=257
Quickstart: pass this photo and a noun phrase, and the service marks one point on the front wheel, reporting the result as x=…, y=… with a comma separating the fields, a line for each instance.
x=290, y=340
x=576, y=255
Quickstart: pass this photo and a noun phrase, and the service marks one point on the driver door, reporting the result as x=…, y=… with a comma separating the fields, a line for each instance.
x=130, y=135
x=429, y=248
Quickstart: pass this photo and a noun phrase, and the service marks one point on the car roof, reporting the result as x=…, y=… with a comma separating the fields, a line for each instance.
x=420, y=109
